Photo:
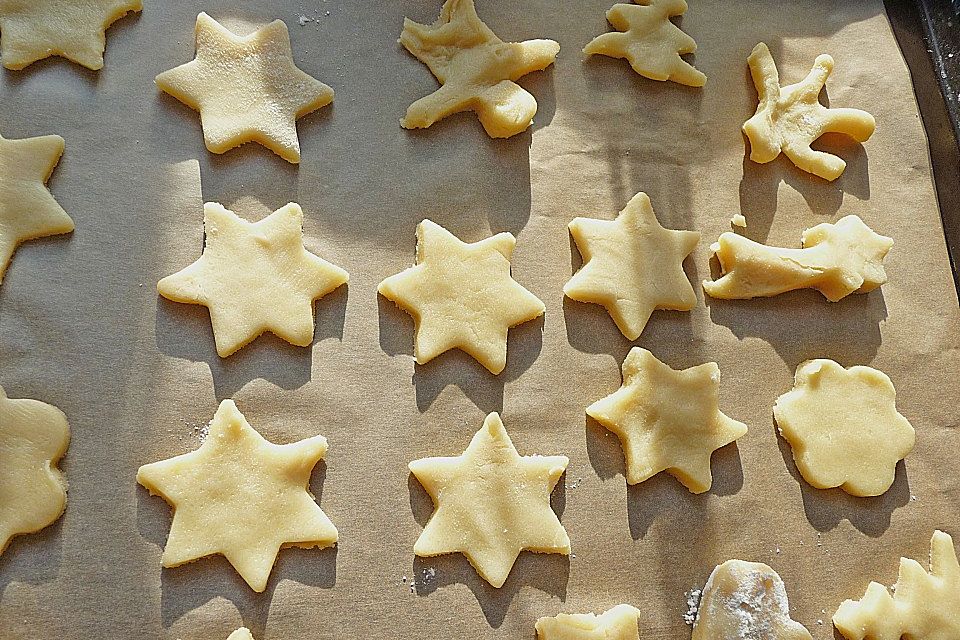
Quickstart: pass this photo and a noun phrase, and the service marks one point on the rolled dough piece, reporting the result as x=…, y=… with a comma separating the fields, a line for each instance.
x=619, y=623
x=241, y=634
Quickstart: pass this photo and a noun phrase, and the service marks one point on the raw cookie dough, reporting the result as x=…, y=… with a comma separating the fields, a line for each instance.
x=255, y=277
x=246, y=88
x=843, y=427
x=738, y=220
x=836, y=260
x=667, y=420
x=789, y=119
x=461, y=296
x=241, y=634
x=240, y=496
x=33, y=493
x=632, y=265
x=746, y=600
x=31, y=30
x=924, y=606
x=650, y=42
x=619, y=623
x=27, y=210
x=491, y=503
x=477, y=70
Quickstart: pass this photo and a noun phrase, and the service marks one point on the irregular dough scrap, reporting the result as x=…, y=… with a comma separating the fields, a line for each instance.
x=477, y=70
x=632, y=265
x=33, y=492
x=619, y=623
x=461, y=296
x=246, y=88
x=650, y=42
x=255, y=277
x=789, y=119
x=924, y=606
x=667, y=420
x=491, y=503
x=240, y=496
x=843, y=427
x=836, y=260
x=241, y=634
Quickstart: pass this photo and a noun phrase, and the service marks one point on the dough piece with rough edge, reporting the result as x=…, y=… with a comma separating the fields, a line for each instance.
x=27, y=209
x=255, y=277
x=477, y=70
x=667, y=420
x=632, y=265
x=490, y=503
x=33, y=492
x=649, y=41
x=461, y=296
x=924, y=606
x=618, y=623
x=790, y=118
x=843, y=427
x=240, y=496
x=31, y=30
x=746, y=600
x=246, y=88
x=241, y=634
x=836, y=260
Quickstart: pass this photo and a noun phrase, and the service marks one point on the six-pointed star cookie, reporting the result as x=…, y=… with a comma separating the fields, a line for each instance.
x=27, y=210
x=632, y=265
x=462, y=296
x=240, y=496
x=491, y=503
x=667, y=420
x=246, y=88
x=255, y=277
x=619, y=623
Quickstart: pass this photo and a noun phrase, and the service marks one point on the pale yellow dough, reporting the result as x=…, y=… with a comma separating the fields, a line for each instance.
x=461, y=296
x=246, y=88
x=738, y=220
x=649, y=41
x=790, y=118
x=619, y=623
x=491, y=503
x=924, y=606
x=667, y=420
x=477, y=70
x=240, y=496
x=241, y=634
x=843, y=427
x=255, y=277
x=33, y=492
x=836, y=260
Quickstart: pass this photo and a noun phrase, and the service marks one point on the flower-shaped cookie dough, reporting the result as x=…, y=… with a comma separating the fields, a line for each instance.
x=619, y=623
x=843, y=427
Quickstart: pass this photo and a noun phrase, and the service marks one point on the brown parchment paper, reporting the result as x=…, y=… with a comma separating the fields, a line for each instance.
x=81, y=325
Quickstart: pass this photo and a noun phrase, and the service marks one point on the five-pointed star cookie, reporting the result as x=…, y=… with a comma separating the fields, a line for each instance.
x=246, y=88
x=27, y=210
x=477, y=70
x=491, y=503
x=790, y=118
x=462, y=296
x=255, y=277
x=649, y=41
x=667, y=420
x=632, y=265
x=240, y=496
x=619, y=623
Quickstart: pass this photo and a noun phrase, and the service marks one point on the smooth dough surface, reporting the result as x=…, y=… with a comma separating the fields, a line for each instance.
x=477, y=70
x=461, y=296
x=843, y=427
x=240, y=496
x=667, y=420
x=246, y=88
x=241, y=634
x=490, y=503
x=618, y=623
x=255, y=277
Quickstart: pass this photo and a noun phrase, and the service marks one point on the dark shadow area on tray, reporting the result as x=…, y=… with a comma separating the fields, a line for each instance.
x=32, y=558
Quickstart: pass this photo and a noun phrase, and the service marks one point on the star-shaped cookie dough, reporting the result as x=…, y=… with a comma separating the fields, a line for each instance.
x=649, y=41
x=491, y=503
x=619, y=623
x=632, y=265
x=255, y=277
x=477, y=70
x=31, y=30
x=240, y=496
x=246, y=88
x=667, y=420
x=461, y=296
